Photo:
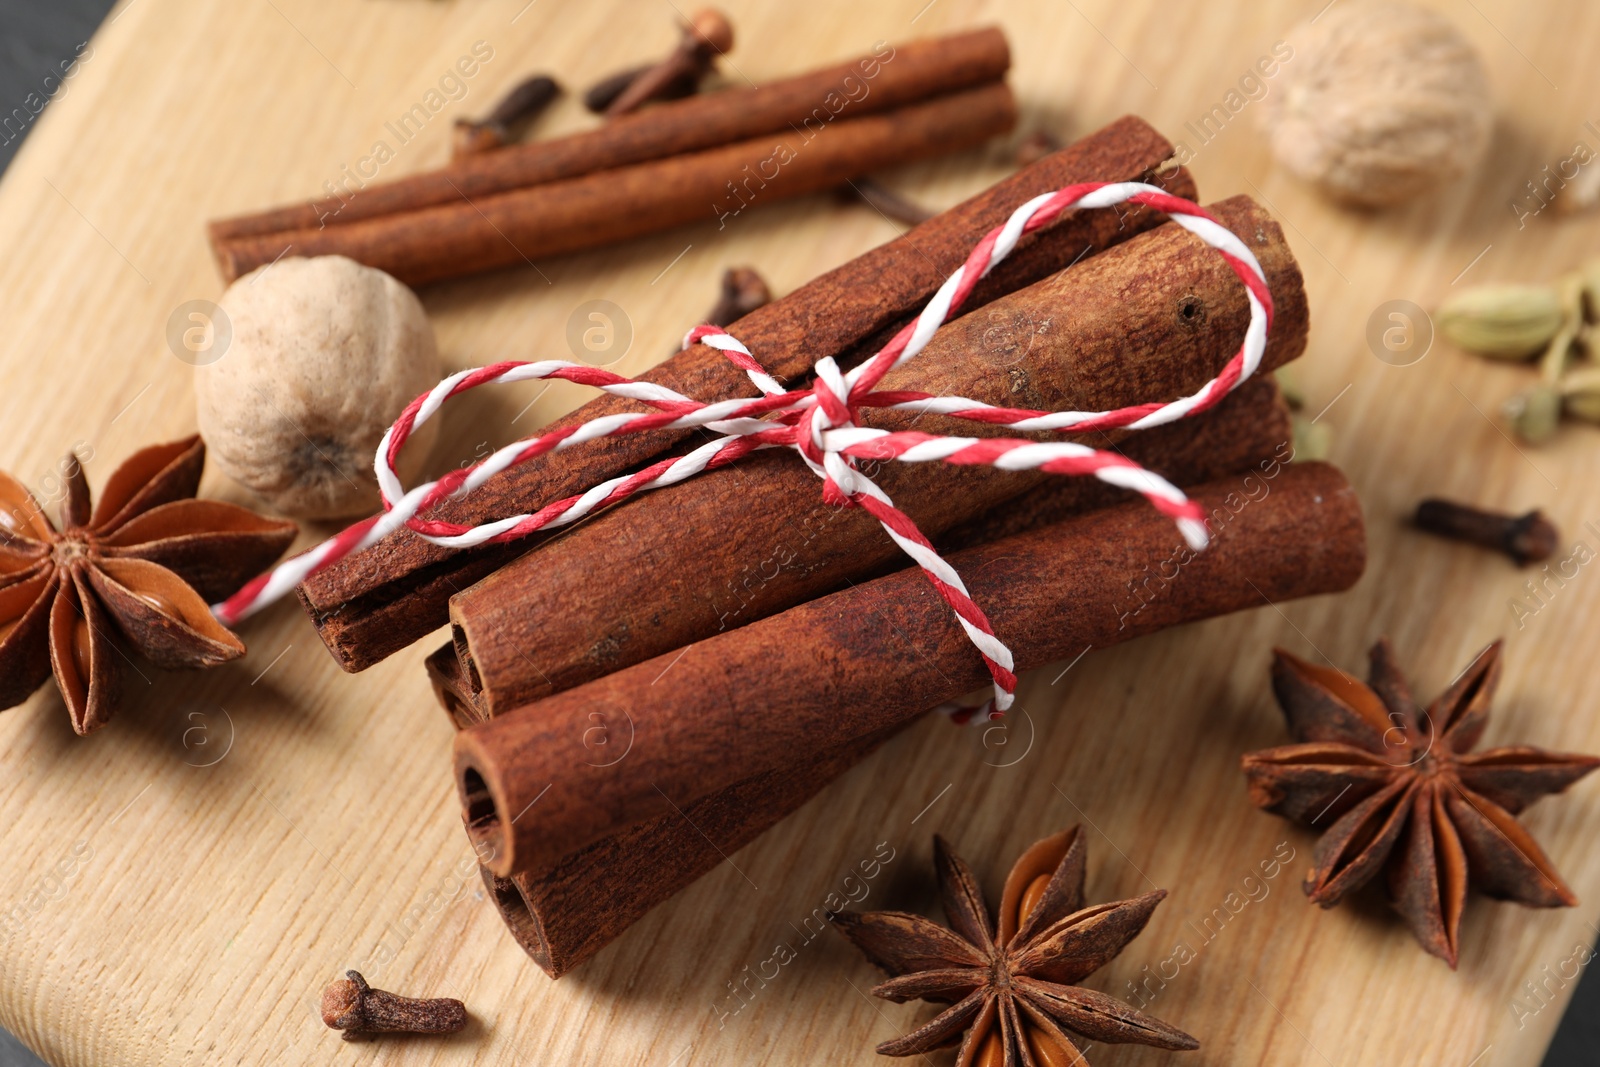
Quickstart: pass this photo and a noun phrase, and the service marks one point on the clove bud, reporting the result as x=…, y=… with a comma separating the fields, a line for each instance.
x=350, y=1005
x=707, y=35
x=743, y=290
x=1035, y=147
x=598, y=97
x=520, y=106
x=885, y=201
x=1525, y=538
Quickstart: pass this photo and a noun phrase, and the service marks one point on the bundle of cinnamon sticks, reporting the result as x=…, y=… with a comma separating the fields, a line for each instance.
x=707, y=157
x=724, y=625
x=371, y=605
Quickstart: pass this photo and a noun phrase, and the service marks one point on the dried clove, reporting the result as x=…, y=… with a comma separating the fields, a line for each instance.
x=525, y=102
x=1035, y=147
x=707, y=35
x=888, y=203
x=599, y=96
x=1525, y=538
x=350, y=1005
x=743, y=290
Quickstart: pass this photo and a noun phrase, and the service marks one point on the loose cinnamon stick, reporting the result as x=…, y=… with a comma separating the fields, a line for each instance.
x=1248, y=428
x=524, y=225
x=1149, y=320
x=873, y=655
x=377, y=602
x=889, y=78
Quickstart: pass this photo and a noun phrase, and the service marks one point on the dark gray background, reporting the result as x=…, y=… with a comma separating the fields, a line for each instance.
x=36, y=35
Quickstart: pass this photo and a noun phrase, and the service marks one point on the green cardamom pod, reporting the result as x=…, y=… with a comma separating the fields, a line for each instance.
x=1289, y=386
x=1312, y=440
x=1502, y=320
x=1535, y=415
x=1591, y=289
x=1580, y=394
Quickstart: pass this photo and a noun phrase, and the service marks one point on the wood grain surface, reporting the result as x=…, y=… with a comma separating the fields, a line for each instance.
x=178, y=887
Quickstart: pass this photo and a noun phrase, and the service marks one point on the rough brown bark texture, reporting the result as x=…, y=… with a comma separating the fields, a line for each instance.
x=565, y=913
x=1149, y=320
x=375, y=603
x=549, y=910
x=871, y=656
x=1249, y=427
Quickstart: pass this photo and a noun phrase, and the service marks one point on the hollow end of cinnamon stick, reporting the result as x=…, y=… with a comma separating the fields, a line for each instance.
x=482, y=811
x=453, y=688
x=522, y=919
x=565, y=912
x=232, y=262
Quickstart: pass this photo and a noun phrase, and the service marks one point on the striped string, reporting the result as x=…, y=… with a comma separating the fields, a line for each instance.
x=819, y=423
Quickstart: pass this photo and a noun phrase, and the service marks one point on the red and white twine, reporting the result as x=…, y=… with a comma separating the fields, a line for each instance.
x=818, y=422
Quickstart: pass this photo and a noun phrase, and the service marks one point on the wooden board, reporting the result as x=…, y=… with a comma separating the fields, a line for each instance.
x=178, y=887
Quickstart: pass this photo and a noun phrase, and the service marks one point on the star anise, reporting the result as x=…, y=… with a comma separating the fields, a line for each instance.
x=1398, y=791
x=1013, y=990
x=142, y=567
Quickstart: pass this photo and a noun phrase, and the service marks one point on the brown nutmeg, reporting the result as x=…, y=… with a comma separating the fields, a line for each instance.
x=1378, y=102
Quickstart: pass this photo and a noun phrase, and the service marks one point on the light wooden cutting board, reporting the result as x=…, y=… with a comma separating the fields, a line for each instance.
x=179, y=886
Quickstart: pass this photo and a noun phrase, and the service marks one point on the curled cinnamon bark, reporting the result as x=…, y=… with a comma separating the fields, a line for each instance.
x=549, y=909
x=520, y=226
x=1150, y=320
x=371, y=605
x=901, y=74
x=834, y=669
x=1250, y=428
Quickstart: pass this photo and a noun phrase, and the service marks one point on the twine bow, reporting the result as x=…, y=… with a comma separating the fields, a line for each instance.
x=820, y=423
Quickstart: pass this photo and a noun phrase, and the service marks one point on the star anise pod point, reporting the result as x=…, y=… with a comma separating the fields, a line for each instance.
x=142, y=567
x=1013, y=987
x=1399, y=790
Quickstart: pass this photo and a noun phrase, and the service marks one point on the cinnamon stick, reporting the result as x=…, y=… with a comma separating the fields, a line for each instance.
x=518, y=227
x=873, y=655
x=890, y=77
x=550, y=911
x=1149, y=320
x=375, y=603
x=564, y=914
x=1249, y=427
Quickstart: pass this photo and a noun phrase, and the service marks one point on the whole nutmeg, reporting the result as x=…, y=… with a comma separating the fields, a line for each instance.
x=325, y=355
x=1380, y=101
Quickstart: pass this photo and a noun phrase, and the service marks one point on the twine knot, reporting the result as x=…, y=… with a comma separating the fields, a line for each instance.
x=820, y=422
